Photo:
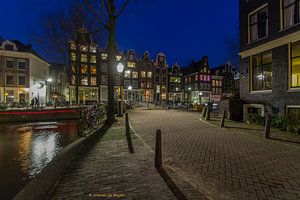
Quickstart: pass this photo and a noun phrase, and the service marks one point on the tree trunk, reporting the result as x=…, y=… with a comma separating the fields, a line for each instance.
x=111, y=51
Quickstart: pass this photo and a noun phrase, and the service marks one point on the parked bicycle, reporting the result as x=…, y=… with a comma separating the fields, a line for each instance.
x=94, y=115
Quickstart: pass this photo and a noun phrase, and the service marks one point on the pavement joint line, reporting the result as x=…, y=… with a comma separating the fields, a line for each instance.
x=140, y=138
x=243, y=133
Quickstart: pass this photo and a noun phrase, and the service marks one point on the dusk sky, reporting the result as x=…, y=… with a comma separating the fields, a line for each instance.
x=183, y=30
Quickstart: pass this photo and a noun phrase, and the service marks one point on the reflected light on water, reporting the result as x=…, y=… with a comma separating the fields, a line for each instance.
x=44, y=147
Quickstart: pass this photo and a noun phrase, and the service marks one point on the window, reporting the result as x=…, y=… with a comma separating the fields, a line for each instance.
x=214, y=83
x=261, y=71
x=135, y=74
x=175, y=80
x=149, y=74
x=143, y=74
x=157, y=79
x=22, y=80
x=201, y=77
x=93, y=70
x=131, y=64
x=103, y=56
x=149, y=84
x=83, y=69
x=258, y=24
x=73, y=56
x=164, y=79
x=196, y=77
x=9, y=47
x=93, y=59
x=73, y=80
x=157, y=70
x=93, y=81
x=164, y=71
x=73, y=46
x=104, y=67
x=290, y=12
x=104, y=79
x=73, y=68
x=10, y=96
x=83, y=48
x=93, y=49
x=295, y=65
x=21, y=65
x=143, y=84
x=84, y=81
x=9, y=79
x=126, y=84
x=83, y=58
x=9, y=64
x=127, y=74
x=118, y=58
x=135, y=84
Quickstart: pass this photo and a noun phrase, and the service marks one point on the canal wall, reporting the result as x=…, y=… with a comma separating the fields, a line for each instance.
x=41, y=186
x=38, y=115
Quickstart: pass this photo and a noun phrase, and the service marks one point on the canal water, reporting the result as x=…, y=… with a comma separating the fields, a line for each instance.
x=25, y=149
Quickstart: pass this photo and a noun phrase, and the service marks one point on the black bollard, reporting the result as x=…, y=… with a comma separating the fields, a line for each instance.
x=158, y=153
x=204, y=112
x=267, y=127
x=128, y=135
x=207, y=114
x=223, y=119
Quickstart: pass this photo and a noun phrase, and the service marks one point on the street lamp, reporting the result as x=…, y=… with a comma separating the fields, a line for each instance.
x=200, y=97
x=49, y=80
x=120, y=68
x=187, y=101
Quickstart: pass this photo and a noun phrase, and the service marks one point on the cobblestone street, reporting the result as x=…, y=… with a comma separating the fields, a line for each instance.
x=109, y=171
x=219, y=163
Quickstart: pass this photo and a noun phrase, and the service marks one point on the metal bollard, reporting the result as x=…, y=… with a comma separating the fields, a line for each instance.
x=223, y=119
x=267, y=127
x=158, y=153
x=128, y=135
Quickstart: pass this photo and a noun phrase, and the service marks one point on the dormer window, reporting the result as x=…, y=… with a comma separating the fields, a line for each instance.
x=9, y=47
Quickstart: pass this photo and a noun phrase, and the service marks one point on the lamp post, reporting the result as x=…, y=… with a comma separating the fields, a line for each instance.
x=187, y=100
x=120, y=68
x=200, y=97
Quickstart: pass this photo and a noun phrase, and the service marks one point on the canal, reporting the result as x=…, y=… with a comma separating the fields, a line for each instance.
x=26, y=148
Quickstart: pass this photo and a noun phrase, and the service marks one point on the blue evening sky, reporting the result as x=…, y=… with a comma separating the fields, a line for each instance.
x=183, y=30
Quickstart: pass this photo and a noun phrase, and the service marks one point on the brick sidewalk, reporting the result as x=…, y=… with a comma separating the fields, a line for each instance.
x=219, y=163
x=110, y=170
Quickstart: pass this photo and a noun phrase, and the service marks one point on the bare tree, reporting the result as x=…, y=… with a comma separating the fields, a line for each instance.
x=107, y=13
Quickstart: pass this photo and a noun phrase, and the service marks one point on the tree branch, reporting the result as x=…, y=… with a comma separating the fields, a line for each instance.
x=104, y=25
x=123, y=8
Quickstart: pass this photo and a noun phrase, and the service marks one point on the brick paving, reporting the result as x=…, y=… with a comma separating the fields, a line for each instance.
x=218, y=163
x=109, y=171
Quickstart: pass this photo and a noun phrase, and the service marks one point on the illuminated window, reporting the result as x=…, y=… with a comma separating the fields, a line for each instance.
x=73, y=56
x=149, y=84
x=135, y=74
x=118, y=58
x=73, y=68
x=73, y=80
x=93, y=70
x=295, y=64
x=143, y=74
x=93, y=81
x=213, y=83
x=84, y=81
x=196, y=77
x=83, y=69
x=93, y=49
x=103, y=56
x=143, y=84
x=149, y=74
x=93, y=59
x=175, y=80
x=131, y=64
x=83, y=58
x=261, y=71
x=204, y=78
x=208, y=78
x=127, y=74
x=73, y=46
x=83, y=48
x=258, y=27
x=290, y=12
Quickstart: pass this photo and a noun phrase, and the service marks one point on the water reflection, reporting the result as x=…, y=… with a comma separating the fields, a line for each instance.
x=25, y=149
